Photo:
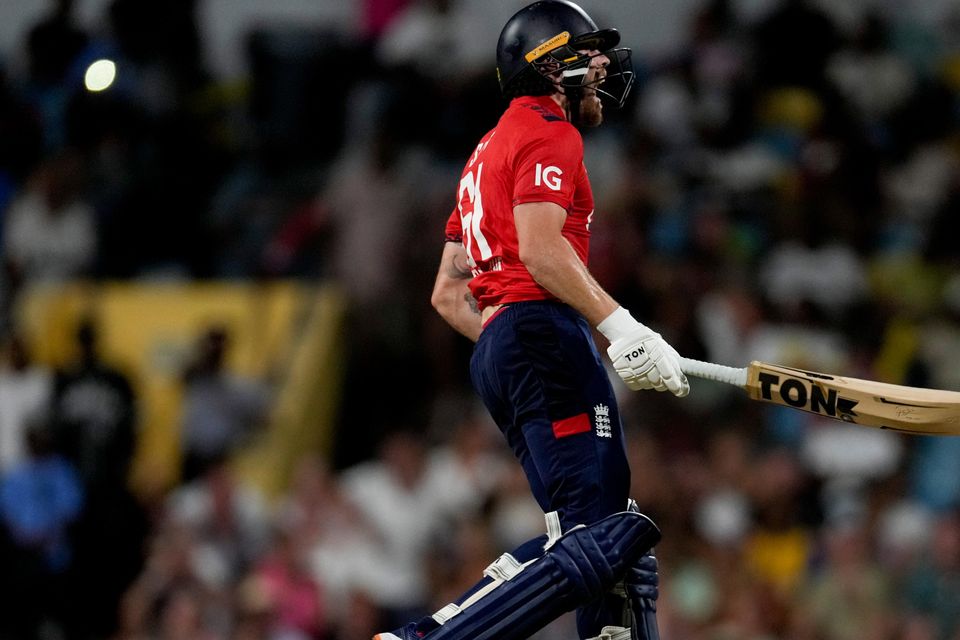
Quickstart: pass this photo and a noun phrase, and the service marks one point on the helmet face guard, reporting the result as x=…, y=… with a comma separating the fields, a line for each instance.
x=570, y=69
x=548, y=46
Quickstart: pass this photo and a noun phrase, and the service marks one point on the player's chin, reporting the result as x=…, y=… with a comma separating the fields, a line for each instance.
x=591, y=112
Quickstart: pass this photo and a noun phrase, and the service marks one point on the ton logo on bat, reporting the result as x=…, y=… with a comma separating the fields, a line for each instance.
x=801, y=394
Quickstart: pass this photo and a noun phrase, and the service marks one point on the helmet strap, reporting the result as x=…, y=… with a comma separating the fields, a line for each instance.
x=573, y=107
x=572, y=83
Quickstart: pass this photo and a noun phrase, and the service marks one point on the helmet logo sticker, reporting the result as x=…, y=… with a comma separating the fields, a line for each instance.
x=558, y=40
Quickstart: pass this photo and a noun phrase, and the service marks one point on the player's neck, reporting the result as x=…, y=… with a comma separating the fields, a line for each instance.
x=563, y=103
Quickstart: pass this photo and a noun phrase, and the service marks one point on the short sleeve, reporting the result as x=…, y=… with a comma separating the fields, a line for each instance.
x=454, y=230
x=547, y=166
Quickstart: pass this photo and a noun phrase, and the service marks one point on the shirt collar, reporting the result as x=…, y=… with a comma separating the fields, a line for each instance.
x=545, y=102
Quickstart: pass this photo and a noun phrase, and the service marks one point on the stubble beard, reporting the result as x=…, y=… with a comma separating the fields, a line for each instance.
x=591, y=111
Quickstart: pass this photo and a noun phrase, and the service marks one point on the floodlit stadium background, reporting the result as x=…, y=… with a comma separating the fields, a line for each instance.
x=236, y=208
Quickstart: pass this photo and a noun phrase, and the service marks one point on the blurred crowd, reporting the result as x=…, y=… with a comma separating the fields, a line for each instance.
x=779, y=187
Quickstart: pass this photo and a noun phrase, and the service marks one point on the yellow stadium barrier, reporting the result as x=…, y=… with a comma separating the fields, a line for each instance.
x=286, y=332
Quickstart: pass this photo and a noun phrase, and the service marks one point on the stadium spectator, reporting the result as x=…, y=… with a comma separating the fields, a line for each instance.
x=25, y=391
x=54, y=46
x=50, y=231
x=298, y=605
x=932, y=590
x=94, y=415
x=54, y=43
x=393, y=489
x=343, y=549
x=173, y=565
x=221, y=410
x=227, y=520
x=21, y=133
x=40, y=499
x=95, y=410
x=848, y=596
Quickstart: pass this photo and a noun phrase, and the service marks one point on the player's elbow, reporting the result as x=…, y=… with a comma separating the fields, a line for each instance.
x=536, y=261
x=439, y=301
x=444, y=301
x=529, y=256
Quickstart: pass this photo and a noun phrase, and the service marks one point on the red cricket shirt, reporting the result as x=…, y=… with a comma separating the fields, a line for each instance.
x=532, y=155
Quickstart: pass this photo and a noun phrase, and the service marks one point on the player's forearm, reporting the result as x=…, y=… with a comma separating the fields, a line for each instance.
x=459, y=309
x=451, y=294
x=557, y=268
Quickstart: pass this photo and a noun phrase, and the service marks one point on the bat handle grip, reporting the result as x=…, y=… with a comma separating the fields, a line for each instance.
x=736, y=376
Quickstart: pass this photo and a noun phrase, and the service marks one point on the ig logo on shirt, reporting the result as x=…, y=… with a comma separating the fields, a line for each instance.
x=549, y=176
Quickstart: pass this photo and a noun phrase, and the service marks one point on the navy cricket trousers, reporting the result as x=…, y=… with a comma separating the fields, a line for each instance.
x=538, y=371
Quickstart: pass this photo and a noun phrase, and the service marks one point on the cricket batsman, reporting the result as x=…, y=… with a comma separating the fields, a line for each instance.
x=513, y=277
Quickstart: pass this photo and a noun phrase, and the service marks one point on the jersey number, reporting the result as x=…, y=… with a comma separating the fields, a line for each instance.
x=471, y=214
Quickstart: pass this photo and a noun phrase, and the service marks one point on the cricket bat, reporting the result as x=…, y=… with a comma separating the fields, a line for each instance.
x=864, y=402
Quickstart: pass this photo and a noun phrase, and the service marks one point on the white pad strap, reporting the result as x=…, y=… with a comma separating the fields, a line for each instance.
x=613, y=633
x=501, y=570
x=554, y=530
x=446, y=613
x=504, y=568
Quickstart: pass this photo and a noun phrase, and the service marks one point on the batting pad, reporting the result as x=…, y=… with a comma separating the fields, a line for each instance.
x=578, y=567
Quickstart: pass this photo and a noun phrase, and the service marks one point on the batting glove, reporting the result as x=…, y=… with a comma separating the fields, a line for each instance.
x=641, y=357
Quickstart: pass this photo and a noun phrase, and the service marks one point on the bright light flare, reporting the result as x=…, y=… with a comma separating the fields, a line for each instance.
x=100, y=75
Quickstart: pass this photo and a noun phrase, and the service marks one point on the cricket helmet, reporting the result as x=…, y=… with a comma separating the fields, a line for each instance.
x=545, y=38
